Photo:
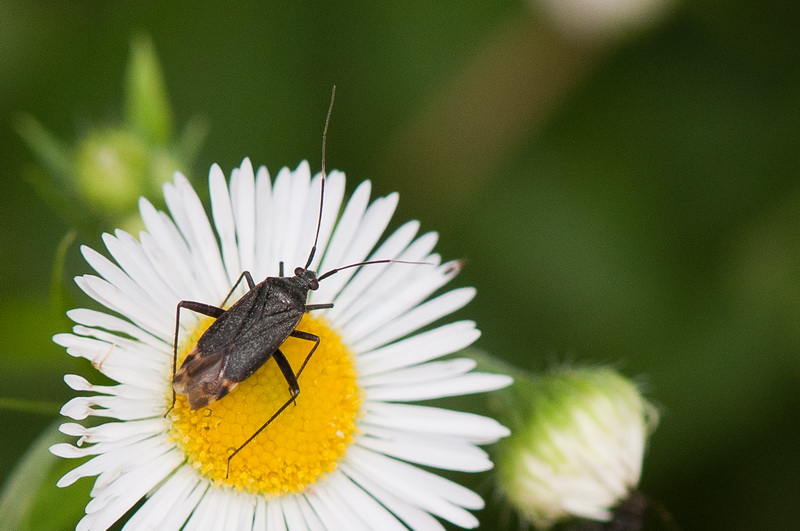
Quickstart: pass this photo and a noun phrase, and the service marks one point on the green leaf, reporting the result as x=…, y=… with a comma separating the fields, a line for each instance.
x=62, y=199
x=30, y=499
x=147, y=107
x=52, y=153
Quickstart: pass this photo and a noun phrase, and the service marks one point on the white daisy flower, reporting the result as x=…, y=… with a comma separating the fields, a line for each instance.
x=346, y=455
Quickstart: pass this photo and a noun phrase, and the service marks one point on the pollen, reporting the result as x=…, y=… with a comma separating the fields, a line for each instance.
x=304, y=443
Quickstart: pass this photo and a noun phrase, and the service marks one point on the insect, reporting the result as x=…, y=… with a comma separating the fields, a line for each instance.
x=252, y=330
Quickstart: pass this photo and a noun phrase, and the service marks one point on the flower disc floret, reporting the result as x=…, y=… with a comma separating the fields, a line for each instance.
x=304, y=442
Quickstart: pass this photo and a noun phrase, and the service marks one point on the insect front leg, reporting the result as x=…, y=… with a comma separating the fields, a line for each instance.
x=310, y=337
x=250, y=283
x=198, y=307
x=294, y=389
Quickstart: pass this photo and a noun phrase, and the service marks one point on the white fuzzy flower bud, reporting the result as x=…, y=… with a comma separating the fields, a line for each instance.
x=576, y=446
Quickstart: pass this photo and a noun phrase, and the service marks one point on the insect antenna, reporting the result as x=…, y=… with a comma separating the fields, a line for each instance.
x=322, y=185
x=322, y=201
x=334, y=271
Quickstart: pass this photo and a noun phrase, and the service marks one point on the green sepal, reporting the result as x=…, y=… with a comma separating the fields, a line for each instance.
x=54, y=156
x=147, y=109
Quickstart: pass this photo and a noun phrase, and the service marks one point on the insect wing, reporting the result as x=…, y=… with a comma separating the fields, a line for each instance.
x=239, y=342
x=244, y=313
x=200, y=378
x=256, y=344
x=203, y=377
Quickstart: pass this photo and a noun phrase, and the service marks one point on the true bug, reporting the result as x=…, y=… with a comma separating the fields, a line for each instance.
x=251, y=331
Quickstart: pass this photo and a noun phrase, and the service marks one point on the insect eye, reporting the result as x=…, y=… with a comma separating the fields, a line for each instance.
x=313, y=285
x=298, y=271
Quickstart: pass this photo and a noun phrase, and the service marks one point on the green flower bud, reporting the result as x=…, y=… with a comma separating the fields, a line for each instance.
x=111, y=168
x=576, y=445
x=100, y=177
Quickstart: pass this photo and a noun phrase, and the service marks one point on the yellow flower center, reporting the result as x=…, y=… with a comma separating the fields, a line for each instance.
x=303, y=443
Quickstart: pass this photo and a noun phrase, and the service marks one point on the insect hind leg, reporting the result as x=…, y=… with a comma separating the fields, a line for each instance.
x=294, y=389
x=198, y=307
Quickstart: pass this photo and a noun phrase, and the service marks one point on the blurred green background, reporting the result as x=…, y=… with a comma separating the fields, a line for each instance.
x=631, y=200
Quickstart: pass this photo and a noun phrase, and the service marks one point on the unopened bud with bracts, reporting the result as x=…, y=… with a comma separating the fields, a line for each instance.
x=577, y=443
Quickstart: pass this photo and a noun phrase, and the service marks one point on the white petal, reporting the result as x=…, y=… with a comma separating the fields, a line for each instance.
x=419, y=374
x=222, y=212
x=119, y=454
x=284, y=224
x=191, y=220
x=374, y=222
x=115, y=275
x=167, y=250
x=265, y=251
x=230, y=508
x=244, y=511
x=114, y=432
x=131, y=257
x=293, y=514
x=313, y=521
x=418, y=317
x=363, y=283
x=419, y=348
x=117, y=498
x=405, y=291
x=276, y=521
x=360, y=503
x=170, y=505
x=120, y=407
x=441, y=452
x=461, y=385
x=123, y=303
x=433, y=493
x=307, y=222
x=434, y=421
x=93, y=318
x=260, y=517
x=373, y=284
x=410, y=513
x=334, y=194
x=296, y=243
x=277, y=225
x=152, y=357
x=202, y=519
x=334, y=511
x=341, y=240
x=243, y=196
x=118, y=360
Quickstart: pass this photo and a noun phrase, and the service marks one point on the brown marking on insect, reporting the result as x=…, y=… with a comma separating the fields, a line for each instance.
x=201, y=379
